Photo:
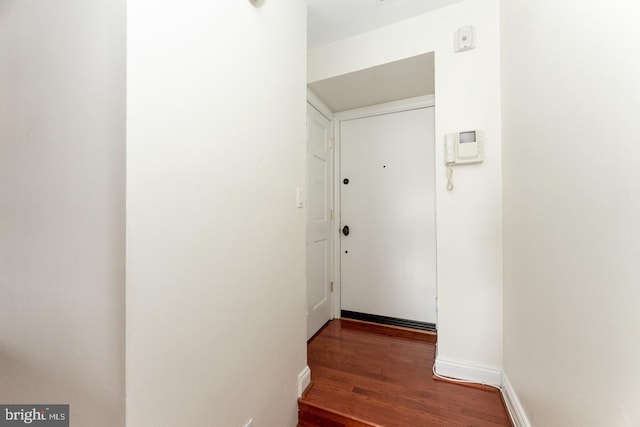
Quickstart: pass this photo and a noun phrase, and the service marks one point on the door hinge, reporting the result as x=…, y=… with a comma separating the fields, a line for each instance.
x=331, y=215
x=330, y=142
x=331, y=284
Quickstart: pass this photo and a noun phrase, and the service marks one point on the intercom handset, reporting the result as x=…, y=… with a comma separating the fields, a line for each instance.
x=462, y=148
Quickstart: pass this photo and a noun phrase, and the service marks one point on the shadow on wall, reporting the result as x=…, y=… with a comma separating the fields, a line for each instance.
x=56, y=387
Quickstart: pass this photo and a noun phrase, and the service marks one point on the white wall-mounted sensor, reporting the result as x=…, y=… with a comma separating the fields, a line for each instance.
x=465, y=39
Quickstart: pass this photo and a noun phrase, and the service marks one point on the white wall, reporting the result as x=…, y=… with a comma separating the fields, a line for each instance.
x=216, y=103
x=62, y=145
x=469, y=224
x=571, y=97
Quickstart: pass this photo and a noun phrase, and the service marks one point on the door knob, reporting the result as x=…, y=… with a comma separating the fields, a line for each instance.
x=345, y=230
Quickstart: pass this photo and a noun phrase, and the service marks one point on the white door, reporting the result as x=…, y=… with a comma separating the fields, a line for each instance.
x=319, y=205
x=388, y=260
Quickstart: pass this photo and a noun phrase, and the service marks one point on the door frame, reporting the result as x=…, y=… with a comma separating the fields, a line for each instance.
x=315, y=102
x=360, y=113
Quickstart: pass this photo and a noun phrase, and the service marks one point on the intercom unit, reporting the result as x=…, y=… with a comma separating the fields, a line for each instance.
x=462, y=148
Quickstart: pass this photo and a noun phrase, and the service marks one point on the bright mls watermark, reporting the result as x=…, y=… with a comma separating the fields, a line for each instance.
x=34, y=415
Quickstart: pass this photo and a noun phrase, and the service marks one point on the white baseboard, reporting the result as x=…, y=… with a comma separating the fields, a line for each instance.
x=468, y=371
x=304, y=379
x=518, y=416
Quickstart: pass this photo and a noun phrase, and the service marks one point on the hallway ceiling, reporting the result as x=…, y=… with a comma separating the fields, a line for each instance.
x=393, y=81
x=333, y=20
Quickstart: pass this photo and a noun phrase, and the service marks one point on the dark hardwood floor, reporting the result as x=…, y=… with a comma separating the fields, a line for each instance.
x=369, y=375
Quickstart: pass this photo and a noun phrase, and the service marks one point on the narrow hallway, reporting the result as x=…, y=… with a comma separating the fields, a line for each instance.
x=369, y=375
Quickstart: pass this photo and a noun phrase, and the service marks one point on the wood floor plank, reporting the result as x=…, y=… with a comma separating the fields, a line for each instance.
x=365, y=373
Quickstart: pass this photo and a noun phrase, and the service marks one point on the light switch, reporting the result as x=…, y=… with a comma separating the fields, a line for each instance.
x=300, y=197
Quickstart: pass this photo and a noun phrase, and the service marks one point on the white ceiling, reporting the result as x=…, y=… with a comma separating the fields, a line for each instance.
x=332, y=20
x=393, y=81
